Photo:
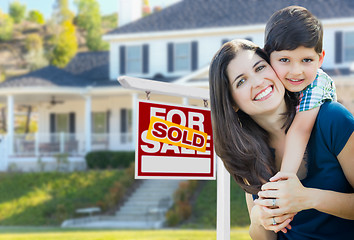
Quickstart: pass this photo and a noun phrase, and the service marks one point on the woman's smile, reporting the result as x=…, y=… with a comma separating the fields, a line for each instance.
x=264, y=94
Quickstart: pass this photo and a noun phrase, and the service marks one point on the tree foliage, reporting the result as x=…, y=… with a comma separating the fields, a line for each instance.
x=6, y=26
x=61, y=11
x=89, y=19
x=65, y=45
x=17, y=11
x=36, y=17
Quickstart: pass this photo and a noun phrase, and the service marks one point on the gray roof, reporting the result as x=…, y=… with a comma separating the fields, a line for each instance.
x=196, y=14
x=49, y=76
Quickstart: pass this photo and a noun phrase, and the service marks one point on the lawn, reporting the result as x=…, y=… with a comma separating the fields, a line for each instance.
x=29, y=233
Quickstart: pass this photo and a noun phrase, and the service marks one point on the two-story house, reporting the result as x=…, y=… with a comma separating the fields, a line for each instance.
x=82, y=107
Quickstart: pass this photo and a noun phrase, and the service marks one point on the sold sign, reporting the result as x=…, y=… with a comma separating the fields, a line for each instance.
x=175, y=134
x=174, y=142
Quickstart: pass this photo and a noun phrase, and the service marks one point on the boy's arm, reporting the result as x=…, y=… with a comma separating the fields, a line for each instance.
x=296, y=140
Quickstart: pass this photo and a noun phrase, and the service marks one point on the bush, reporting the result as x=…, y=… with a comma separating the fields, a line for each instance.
x=109, y=159
x=182, y=208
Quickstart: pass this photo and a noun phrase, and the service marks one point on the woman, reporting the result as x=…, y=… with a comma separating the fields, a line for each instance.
x=251, y=112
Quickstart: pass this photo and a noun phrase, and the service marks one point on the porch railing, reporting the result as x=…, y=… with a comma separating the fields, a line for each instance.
x=47, y=144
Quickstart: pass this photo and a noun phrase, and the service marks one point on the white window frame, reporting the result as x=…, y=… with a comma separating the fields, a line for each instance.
x=187, y=57
x=138, y=60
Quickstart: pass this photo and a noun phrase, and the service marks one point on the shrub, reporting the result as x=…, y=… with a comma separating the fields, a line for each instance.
x=109, y=159
x=182, y=208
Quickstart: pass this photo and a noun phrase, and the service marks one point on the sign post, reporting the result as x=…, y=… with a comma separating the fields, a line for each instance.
x=181, y=137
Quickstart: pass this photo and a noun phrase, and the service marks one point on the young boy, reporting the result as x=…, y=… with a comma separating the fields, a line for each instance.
x=293, y=40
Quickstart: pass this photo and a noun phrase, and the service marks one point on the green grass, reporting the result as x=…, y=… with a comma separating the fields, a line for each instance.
x=79, y=234
x=42, y=199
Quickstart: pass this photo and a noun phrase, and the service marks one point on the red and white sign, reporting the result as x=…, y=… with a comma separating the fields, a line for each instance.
x=174, y=142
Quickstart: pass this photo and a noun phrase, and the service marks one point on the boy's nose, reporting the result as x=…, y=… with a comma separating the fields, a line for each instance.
x=296, y=69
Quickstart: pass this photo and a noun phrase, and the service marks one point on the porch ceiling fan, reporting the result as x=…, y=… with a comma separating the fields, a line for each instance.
x=53, y=101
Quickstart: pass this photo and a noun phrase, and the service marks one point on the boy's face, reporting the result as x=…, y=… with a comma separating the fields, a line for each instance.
x=296, y=68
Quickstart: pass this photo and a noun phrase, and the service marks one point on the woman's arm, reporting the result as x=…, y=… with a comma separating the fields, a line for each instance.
x=291, y=197
x=260, y=221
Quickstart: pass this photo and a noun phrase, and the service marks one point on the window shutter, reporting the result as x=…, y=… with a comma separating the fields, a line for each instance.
x=123, y=120
x=52, y=123
x=145, y=58
x=338, y=47
x=170, y=57
x=72, y=122
x=122, y=60
x=108, y=116
x=224, y=41
x=194, y=55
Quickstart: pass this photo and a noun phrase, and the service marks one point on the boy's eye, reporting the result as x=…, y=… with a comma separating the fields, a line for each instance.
x=240, y=82
x=307, y=60
x=283, y=60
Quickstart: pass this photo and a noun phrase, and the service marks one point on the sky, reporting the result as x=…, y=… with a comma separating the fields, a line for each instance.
x=106, y=6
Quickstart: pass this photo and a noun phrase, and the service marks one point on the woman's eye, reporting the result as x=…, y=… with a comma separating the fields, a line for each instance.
x=240, y=82
x=307, y=60
x=259, y=68
x=284, y=60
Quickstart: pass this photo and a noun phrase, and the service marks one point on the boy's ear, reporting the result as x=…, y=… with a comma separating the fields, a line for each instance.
x=321, y=58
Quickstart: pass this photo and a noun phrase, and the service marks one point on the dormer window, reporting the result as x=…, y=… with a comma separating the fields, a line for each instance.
x=182, y=57
x=134, y=59
x=348, y=46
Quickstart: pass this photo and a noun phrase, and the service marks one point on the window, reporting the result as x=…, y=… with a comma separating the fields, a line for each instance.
x=99, y=122
x=126, y=124
x=348, y=46
x=62, y=123
x=182, y=57
x=134, y=59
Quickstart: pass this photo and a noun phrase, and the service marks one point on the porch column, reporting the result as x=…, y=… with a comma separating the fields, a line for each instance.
x=134, y=118
x=88, y=135
x=10, y=123
x=185, y=101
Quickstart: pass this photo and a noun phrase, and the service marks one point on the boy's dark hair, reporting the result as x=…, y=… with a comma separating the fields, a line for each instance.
x=292, y=27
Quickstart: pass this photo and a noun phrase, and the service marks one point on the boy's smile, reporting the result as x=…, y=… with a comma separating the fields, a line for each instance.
x=296, y=68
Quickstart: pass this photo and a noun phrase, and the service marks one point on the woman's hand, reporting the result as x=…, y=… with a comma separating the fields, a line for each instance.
x=289, y=194
x=261, y=217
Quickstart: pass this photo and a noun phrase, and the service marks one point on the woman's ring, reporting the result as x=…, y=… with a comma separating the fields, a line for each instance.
x=274, y=222
x=274, y=202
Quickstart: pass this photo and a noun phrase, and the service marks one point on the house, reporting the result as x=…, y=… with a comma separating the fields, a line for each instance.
x=82, y=107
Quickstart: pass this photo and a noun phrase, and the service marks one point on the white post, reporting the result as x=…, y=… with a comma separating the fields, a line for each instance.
x=134, y=118
x=185, y=101
x=88, y=135
x=36, y=144
x=10, y=123
x=223, y=202
x=62, y=142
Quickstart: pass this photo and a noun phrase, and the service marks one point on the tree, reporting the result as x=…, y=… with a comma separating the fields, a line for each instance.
x=65, y=45
x=89, y=19
x=6, y=26
x=17, y=11
x=36, y=17
x=35, y=54
x=61, y=11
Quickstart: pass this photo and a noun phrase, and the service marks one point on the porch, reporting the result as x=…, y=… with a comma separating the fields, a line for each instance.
x=32, y=151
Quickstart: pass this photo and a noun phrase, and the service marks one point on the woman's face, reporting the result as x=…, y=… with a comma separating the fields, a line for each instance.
x=255, y=87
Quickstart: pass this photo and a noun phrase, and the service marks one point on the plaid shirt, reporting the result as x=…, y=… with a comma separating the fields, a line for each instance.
x=320, y=90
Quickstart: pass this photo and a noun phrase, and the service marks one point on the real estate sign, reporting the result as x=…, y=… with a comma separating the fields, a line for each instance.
x=174, y=142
